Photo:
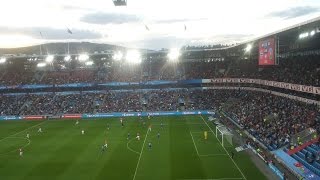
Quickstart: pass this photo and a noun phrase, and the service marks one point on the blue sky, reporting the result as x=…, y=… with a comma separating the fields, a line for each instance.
x=207, y=21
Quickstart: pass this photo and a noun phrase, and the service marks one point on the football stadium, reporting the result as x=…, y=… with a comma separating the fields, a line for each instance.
x=159, y=90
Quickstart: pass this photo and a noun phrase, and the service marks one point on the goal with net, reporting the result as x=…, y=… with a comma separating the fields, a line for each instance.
x=224, y=135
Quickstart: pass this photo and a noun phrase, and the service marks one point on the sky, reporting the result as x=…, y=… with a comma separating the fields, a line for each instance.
x=150, y=24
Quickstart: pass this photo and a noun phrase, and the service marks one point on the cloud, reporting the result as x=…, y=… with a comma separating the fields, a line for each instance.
x=51, y=33
x=294, y=12
x=75, y=8
x=178, y=20
x=109, y=18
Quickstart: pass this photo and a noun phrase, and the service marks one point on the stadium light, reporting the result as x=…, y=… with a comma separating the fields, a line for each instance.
x=303, y=35
x=173, y=54
x=89, y=63
x=49, y=58
x=312, y=33
x=117, y=56
x=42, y=64
x=133, y=56
x=67, y=58
x=3, y=60
x=83, y=57
x=248, y=48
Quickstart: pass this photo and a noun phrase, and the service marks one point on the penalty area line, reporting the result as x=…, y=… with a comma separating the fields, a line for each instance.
x=224, y=149
x=130, y=148
x=23, y=130
x=194, y=144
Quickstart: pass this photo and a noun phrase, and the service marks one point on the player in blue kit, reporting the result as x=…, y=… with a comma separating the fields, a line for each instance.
x=128, y=136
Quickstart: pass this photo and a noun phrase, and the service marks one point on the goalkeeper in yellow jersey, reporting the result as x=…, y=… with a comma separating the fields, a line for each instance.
x=205, y=134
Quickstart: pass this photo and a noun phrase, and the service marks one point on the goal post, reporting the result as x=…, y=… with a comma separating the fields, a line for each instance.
x=224, y=135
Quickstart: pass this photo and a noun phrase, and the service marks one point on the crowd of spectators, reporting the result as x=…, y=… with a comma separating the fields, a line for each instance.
x=271, y=119
x=300, y=70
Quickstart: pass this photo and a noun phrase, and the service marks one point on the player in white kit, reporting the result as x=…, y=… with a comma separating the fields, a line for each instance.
x=82, y=132
x=20, y=152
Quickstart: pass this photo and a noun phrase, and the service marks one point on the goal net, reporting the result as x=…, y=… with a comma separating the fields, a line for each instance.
x=224, y=135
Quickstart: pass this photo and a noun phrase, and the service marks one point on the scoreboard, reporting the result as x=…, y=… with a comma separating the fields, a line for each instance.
x=267, y=52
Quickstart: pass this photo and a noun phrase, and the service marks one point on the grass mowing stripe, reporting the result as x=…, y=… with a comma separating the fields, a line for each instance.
x=22, y=131
x=214, y=179
x=224, y=149
x=206, y=155
x=194, y=144
x=135, y=173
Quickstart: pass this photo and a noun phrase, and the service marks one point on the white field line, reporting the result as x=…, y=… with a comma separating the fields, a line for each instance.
x=225, y=149
x=29, y=142
x=22, y=131
x=130, y=148
x=204, y=155
x=194, y=144
x=135, y=173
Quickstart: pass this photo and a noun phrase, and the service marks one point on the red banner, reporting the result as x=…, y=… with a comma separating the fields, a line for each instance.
x=34, y=117
x=72, y=116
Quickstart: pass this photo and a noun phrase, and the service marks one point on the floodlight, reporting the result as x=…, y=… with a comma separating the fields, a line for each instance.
x=42, y=64
x=303, y=35
x=89, y=63
x=312, y=33
x=173, y=54
x=49, y=58
x=248, y=48
x=83, y=57
x=117, y=56
x=3, y=60
x=133, y=56
x=67, y=58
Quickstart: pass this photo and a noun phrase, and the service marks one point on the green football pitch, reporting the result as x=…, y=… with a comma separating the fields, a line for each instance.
x=62, y=152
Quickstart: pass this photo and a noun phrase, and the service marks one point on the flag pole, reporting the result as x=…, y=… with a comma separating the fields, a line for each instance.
x=69, y=32
x=40, y=49
x=40, y=44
